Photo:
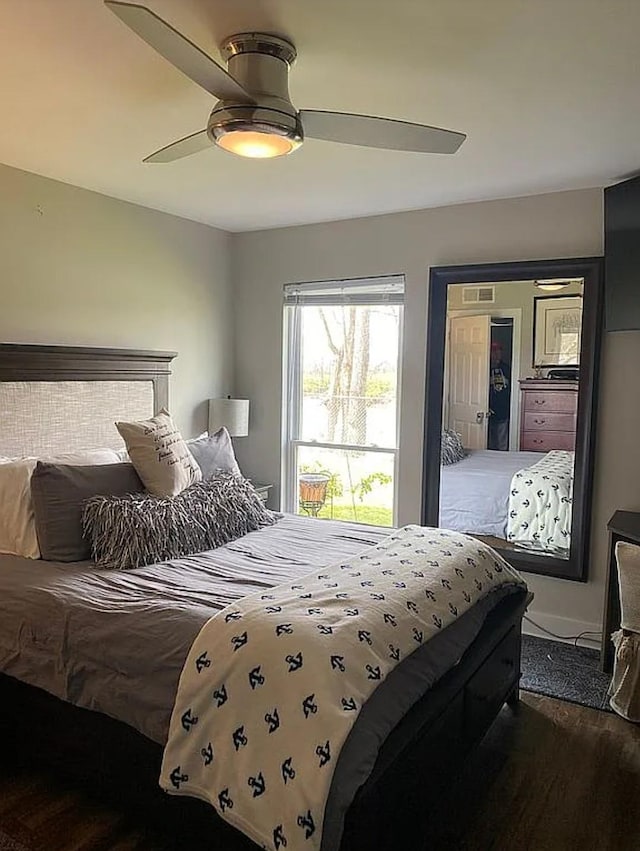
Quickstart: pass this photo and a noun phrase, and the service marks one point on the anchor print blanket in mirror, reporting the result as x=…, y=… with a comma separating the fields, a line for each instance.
x=540, y=503
x=274, y=683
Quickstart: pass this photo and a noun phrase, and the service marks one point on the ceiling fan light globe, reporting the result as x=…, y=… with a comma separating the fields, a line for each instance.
x=553, y=284
x=255, y=144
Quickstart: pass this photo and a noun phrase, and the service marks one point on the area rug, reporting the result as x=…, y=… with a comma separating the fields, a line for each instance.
x=561, y=670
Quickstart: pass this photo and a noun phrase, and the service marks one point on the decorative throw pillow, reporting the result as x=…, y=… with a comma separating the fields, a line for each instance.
x=58, y=492
x=17, y=522
x=17, y=526
x=451, y=448
x=160, y=455
x=139, y=529
x=214, y=453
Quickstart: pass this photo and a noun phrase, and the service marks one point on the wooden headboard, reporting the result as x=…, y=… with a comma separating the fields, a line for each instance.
x=46, y=390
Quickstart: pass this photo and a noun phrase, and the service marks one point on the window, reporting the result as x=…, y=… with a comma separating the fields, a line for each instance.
x=342, y=357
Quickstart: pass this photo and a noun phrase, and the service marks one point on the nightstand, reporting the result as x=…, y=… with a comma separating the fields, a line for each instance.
x=263, y=491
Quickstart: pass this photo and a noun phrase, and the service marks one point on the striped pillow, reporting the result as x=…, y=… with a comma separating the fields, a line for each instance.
x=451, y=448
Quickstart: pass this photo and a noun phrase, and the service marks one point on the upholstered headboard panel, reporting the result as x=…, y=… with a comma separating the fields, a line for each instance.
x=57, y=399
x=44, y=417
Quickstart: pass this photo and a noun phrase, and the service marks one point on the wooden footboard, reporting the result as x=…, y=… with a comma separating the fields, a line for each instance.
x=419, y=758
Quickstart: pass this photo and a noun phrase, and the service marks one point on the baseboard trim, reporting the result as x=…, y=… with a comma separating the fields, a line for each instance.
x=568, y=628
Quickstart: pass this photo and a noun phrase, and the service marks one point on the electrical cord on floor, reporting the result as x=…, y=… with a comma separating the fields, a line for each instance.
x=574, y=638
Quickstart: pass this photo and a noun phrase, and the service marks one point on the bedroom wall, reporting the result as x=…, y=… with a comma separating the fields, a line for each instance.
x=79, y=268
x=513, y=295
x=562, y=224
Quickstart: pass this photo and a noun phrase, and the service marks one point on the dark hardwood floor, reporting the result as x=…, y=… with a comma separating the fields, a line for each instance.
x=553, y=777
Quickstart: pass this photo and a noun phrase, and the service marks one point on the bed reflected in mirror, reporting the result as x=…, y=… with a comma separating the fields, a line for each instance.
x=524, y=408
x=509, y=412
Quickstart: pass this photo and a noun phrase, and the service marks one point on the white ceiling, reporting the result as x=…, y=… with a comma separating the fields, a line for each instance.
x=548, y=92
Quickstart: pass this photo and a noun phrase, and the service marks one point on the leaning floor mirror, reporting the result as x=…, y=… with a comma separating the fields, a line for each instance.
x=512, y=363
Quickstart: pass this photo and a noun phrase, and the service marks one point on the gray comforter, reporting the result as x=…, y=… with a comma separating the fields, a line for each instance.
x=115, y=641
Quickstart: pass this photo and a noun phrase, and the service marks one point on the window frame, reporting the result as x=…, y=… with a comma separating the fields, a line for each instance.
x=292, y=395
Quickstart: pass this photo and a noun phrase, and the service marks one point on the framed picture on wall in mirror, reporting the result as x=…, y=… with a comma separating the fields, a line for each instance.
x=557, y=328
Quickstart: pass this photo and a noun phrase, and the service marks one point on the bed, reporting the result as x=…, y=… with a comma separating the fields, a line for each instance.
x=521, y=497
x=88, y=686
x=474, y=492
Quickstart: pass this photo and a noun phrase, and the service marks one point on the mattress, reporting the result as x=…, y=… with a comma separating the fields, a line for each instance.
x=474, y=492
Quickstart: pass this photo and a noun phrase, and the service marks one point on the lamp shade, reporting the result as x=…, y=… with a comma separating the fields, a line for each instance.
x=231, y=413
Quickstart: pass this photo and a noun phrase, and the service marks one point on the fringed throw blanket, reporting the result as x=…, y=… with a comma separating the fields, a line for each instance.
x=274, y=683
x=624, y=691
x=540, y=502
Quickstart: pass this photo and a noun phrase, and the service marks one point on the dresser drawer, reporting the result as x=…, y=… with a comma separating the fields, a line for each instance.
x=487, y=689
x=550, y=401
x=545, y=441
x=548, y=421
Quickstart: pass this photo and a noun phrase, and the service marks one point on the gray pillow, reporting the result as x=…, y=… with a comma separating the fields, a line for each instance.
x=451, y=448
x=214, y=453
x=139, y=529
x=58, y=492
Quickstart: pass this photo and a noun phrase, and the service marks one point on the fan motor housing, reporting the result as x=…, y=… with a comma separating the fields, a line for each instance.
x=260, y=62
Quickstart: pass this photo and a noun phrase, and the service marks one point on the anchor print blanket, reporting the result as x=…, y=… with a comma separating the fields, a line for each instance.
x=274, y=683
x=540, y=502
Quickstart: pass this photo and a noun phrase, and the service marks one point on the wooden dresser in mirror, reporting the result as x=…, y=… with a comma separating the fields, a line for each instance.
x=548, y=414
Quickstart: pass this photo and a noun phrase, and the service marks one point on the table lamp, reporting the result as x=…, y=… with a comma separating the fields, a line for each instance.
x=231, y=413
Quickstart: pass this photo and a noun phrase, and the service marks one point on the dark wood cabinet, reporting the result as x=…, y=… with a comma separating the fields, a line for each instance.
x=548, y=412
x=622, y=255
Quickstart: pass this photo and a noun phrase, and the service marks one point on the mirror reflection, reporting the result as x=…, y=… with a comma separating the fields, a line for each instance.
x=509, y=412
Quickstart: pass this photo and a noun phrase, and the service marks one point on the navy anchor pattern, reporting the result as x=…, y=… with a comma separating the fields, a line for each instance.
x=258, y=730
x=540, y=502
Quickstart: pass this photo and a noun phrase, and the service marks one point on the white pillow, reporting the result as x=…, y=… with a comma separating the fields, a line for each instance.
x=17, y=522
x=160, y=455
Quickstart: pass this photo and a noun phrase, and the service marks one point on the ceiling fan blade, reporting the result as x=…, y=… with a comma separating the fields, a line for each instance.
x=372, y=132
x=177, y=49
x=192, y=144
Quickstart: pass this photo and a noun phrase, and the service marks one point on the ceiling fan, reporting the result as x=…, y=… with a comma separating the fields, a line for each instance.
x=254, y=116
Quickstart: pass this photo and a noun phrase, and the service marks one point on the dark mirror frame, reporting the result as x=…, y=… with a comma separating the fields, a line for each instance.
x=591, y=270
